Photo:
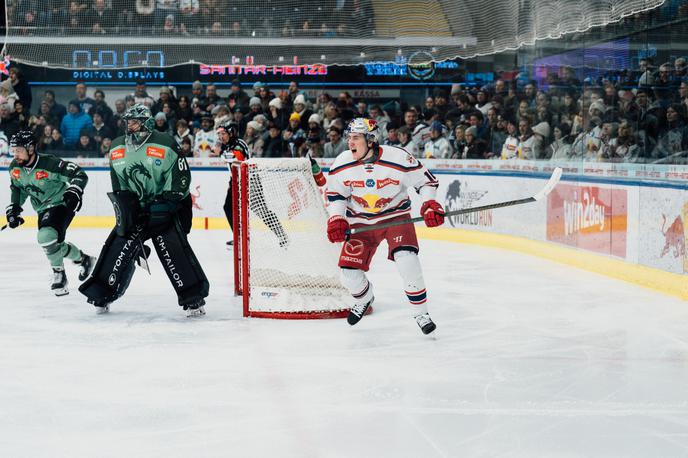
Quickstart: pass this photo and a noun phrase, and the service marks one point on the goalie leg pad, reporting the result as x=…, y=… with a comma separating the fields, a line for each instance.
x=115, y=268
x=357, y=283
x=408, y=266
x=181, y=265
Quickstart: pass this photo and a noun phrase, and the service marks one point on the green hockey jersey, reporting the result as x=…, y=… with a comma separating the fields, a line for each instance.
x=152, y=170
x=45, y=182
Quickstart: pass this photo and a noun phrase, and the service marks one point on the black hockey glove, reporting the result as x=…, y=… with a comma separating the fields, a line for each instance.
x=13, y=219
x=72, y=198
x=161, y=213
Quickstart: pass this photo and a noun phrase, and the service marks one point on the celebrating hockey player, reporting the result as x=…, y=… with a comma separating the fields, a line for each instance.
x=55, y=187
x=368, y=184
x=150, y=184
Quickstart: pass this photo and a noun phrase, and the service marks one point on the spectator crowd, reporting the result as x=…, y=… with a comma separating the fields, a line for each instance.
x=639, y=116
x=240, y=18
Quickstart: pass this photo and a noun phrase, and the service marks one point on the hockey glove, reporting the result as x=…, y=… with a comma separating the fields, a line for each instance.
x=72, y=198
x=13, y=219
x=432, y=212
x=161, y=212
x=336, y=228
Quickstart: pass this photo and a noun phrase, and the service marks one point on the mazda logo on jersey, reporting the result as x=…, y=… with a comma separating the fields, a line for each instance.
x=353, y=247
x=370, y=183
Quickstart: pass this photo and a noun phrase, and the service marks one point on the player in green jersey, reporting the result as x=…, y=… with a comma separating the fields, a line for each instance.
x=150, y=183
x=55, y=187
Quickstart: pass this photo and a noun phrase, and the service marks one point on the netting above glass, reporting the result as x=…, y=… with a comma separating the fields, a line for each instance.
x=161, y=33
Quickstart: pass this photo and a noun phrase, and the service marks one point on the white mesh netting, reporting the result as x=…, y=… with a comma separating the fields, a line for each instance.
x=292, y=265
x=159, y=33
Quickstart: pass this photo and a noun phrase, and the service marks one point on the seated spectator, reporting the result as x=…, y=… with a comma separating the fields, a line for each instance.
x=625, y=147
x=140, y=95
x=205, y=138
x=335, y=144
x=105, y=146
x=253, y=138
x=406, y=141
x=540, y=140
x=73, y=123
x=510, y=150
x=45, y=137
x=438, y=147
x=475, y=146
x=86, y=147
x=161, y=124
x=186, y=148
x=7, y=94
x=301, y=109
x=182, y=131
x=255, y=108
x=184, y=110
x=238, y=94
x=8, y=124
x=674, y=137
x=392, y=137
x=458, y=141
x=293, y=131
x=275, y=146
x=100, y=130
x=56, y=145
x=560, y=149
x=276, y=114
x=20, y=115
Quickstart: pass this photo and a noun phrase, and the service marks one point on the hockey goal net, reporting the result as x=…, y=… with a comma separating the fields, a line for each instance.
x=284, y=266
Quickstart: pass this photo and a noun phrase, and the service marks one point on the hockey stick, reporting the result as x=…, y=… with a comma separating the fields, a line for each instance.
x=3, y=227
x=551, y=183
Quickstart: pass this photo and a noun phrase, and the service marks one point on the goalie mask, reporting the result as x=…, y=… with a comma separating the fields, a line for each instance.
x=137, y=134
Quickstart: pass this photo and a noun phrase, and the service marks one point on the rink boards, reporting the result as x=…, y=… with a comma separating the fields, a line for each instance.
x=622, y=220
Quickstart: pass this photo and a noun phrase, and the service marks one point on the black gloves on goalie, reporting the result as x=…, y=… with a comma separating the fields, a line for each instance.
x=12, y=213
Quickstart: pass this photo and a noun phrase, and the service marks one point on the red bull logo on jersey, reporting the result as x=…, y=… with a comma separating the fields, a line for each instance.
x=117, y=154
x=41, y=175
x=386, y=182
x=16, y=173
x=372, y=202
x=674, y=238
x=154, y=151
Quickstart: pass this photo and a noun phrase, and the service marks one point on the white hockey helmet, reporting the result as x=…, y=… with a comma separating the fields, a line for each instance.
x=365, y=126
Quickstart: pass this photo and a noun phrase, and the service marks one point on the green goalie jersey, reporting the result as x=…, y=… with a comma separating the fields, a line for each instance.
x=151, y=170
x=45, y=182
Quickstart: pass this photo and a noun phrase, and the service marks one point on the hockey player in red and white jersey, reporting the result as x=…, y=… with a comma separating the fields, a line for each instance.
x=367, y=184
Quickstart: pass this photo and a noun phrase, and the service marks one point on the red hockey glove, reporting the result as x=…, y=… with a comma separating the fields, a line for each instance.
x=433, y=213
x=336, y=229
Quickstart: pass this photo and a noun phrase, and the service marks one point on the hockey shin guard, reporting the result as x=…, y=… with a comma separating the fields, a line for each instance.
x=113, y=271
x=54, y=250
x=357, y=283
x=408, y=266
x=181, y=265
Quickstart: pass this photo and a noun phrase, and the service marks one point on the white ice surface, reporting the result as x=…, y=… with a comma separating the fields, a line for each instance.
x=530, y=359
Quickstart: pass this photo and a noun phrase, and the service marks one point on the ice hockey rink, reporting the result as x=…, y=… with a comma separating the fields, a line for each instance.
x=530, y=359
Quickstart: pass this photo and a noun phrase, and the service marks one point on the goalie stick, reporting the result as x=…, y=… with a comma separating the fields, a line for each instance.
x=551, y=183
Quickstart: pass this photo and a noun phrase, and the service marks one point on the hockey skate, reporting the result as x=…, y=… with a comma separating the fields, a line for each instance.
x=59, y=284
x=425, y=323
x=86, y=264
x=357, y=312
x=196, y=309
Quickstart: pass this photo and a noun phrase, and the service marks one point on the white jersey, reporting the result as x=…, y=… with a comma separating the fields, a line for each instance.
x=204, y=143
x=370, y=192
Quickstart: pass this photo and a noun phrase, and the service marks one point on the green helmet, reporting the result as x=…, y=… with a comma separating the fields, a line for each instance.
x=143, y=114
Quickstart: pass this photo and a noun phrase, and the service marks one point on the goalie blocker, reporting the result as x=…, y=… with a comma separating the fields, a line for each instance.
x=124, y=246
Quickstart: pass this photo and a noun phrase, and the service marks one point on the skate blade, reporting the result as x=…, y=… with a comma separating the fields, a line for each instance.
x=195, y=313
x=61, y=292
x=102, y=310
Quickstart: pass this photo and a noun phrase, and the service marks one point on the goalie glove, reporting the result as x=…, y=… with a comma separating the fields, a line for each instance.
x=433, y=213
x=336, y=228
x=13, y=219
x=72, y=198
